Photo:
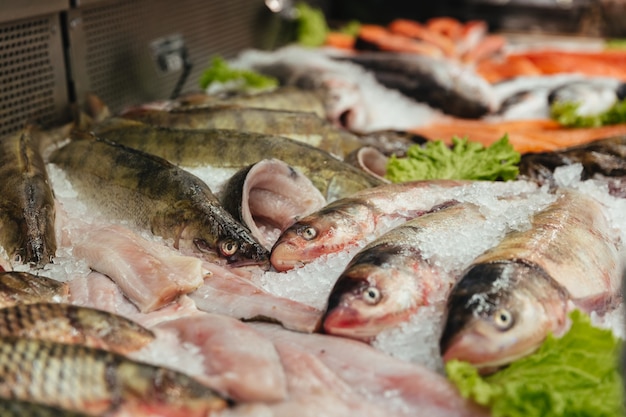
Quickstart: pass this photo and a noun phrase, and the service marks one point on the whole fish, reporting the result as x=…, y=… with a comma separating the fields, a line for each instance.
x=442, y=83
x=233, y=149
x=280, y=98
x=391, y=278
x=361, y=217
x=605, y=157
x=514, y=294
x=300, y=126
x=155, y=195
x=26, y=202
x=94, y=381
x=23, y=287
x=268, y=197
x=15, y=408
x=66, y=323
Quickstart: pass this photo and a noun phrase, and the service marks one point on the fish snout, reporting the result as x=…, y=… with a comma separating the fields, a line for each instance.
x=340, y=320
x=285, y=254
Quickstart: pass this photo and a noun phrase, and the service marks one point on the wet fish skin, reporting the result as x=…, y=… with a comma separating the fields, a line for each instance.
x=15, y=408
x=389, y=279
x=346, y=222
x=233, y=149
x=280, y=98
x=65, y=323
x=24, y=287
x=158, y=196
x=441, y=83
x=514, y=294
x=26, y=202
x=79, y=378
x=300, y=126
x=536, y=306
x=606, y=157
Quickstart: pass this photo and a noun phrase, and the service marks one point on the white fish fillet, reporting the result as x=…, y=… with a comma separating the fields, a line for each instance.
x=238, y=361
x=150, y=274
x=400, y=387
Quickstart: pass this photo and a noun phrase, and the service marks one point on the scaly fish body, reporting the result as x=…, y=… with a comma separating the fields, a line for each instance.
x=127, y=184
x=605, y=157
x=444, y=84
x=233, y=149
x=66, y=323
x=26, y=202
x=300, y=126
x=23, y=287
x=15, y=408
x=79, y=378
x=514, y=294
x=281, y=98
x=390, y=278
x=349, y=221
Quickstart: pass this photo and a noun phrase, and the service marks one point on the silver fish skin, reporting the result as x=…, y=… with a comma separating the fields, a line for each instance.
x=83, y=379
x=442, y=83
x=516, y=293
x=390, y=279
x=156, y=195
x=349, y=221
x=27, y=209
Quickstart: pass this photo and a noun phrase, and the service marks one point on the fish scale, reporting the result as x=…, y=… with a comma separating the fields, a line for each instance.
x=95, y=381
x=27, y=210
x=223, y=148
x=14, y=408
x=155, y=195
x=24, y=287
x=74, y=324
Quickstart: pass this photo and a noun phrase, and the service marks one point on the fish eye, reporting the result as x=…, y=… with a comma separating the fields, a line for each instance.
x=308, y=232
x=228, y=247
x=371, y=295
x=503, y=319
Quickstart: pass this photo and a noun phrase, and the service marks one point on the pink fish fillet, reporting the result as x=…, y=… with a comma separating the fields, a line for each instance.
x=96, y=290
x=149, y=274
x=238, y=361
x=229, y=294
x=401, y=387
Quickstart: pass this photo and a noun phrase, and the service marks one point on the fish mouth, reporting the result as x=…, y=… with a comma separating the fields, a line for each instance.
x=286, y=255
x=486, y=362
x=345, y=321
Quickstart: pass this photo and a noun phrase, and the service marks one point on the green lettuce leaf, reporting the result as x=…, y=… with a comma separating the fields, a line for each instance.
x=566, y=114
x=221, y=73
x=312, y=26
x=575, y=376
x=464, y=160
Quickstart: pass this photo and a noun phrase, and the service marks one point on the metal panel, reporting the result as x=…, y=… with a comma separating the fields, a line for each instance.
x=112, y=44
x=32, y=73
x=21, y=9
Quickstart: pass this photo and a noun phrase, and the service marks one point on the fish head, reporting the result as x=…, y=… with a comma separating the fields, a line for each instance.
x=500, y=312
x=237, y=251
x=368, y=298
x=329, y=230
x=225, y=240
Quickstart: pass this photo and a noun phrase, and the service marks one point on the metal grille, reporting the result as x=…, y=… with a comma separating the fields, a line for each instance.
x=32, y=84
x=111, y=53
